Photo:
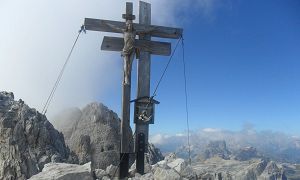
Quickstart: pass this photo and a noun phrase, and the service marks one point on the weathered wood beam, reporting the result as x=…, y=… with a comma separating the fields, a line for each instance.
x=129, y=11
x=129, y=7
x=143, y=83
x=153, y=47
x=117, y=27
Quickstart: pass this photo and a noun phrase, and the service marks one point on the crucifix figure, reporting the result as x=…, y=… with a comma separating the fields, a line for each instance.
x=143, y=48
x=128, y=51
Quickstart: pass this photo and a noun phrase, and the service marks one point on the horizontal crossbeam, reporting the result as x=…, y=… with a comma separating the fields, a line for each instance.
x=154, y=47
x=118, y=27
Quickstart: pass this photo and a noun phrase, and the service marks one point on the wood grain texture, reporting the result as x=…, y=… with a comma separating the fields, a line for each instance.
x=153, y=47
x=142, y=28
x=129, y=8
x=144, y=69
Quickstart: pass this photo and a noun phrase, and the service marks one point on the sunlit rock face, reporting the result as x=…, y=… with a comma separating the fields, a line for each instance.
x=214, y=149
x=154, y=155
x=94, y=136
x=63, y=171
x=172, y=168
x=28, y=140
x=246, y=153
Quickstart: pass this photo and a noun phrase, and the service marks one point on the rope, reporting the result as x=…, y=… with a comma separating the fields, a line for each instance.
x=50, y=97
x=186, y=100
x=165, y=70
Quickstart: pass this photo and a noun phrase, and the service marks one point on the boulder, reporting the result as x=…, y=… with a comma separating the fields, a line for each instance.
x=178, y=165
x=112, y=171
x=162, y=164
x=28, y=140
x=165, y=174
x=62, y=171
x=189, y=173
x=99, y=173
x=148, y=176
x=170, y=157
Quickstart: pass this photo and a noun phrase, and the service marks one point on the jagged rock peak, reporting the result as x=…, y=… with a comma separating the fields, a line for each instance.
x=246, y=153
x=154, y=155
x=95, y=135
x=216, y=148
x=28, y=140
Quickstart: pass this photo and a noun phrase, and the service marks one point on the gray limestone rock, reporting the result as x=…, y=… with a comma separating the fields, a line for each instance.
x=28, y=140
x=154, y=155
x=216, y=148
x=178, y=165
x=170, y=157
x=83, y=149
x=99, y=173
x=166, y=174
x=273, y=172
x=246, y=153
x=65, y=121
x=112, y=171
x=62, y=171
x=189, y=173
x=102, y=126
x=95, y=136
x=254, y=169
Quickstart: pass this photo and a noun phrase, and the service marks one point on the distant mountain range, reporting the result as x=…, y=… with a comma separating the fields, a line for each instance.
x=276, y=146
x=29, y=144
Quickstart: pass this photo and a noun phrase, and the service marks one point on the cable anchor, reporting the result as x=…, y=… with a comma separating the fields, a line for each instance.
x=82, y=28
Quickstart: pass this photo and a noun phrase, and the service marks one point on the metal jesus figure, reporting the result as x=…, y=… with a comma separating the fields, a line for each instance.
x=128, y=51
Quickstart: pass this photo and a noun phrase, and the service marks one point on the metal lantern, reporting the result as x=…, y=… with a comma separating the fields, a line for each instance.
x=144, y=109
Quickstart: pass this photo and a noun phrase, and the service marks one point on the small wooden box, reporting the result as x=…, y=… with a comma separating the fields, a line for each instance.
x=144, y=110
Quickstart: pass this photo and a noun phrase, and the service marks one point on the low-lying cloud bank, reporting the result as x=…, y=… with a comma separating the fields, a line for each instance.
x=275, y=145
x=38, y=36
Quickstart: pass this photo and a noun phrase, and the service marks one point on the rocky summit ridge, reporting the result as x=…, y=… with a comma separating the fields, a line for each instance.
x=28, y=140
x=173, y=168
x=93, y=134
x=32, y=148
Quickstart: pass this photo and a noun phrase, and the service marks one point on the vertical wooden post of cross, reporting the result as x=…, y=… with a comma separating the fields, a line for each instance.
x=128, y=56
x=143, y=90
x=128, y=45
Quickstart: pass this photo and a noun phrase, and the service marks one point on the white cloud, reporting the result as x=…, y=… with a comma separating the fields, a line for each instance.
x=36, y=36
x=210, y=130
x=264, y=141
x=157, y=139
x=180, y=135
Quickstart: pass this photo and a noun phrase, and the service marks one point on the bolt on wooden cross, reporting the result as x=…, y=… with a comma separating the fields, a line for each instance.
x=130, y=47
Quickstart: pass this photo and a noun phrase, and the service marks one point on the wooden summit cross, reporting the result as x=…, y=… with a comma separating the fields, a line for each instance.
x=142, y=48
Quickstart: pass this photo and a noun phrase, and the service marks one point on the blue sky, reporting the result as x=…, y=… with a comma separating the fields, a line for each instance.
x=243, y=67
x=242, y=60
